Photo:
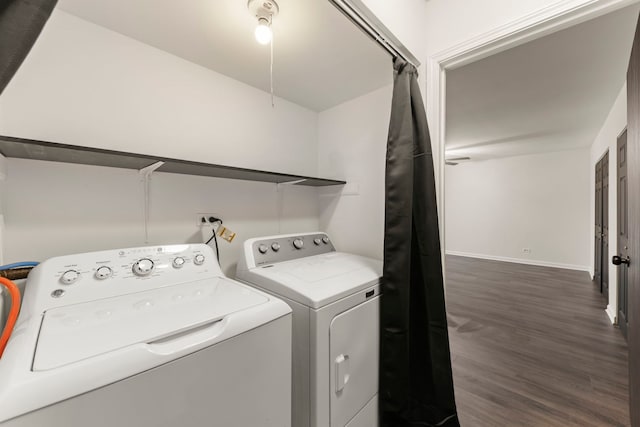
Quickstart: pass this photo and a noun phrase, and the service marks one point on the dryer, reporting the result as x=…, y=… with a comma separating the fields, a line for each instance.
x=335, y=302
x=150, y=336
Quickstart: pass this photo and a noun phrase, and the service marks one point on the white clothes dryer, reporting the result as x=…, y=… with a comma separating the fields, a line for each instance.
x=146, y=337
x=335, y=302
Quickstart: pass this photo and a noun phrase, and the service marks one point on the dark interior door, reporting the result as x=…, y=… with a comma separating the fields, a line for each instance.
x=601, y=242
x=597, y=269
x=623, y=233
x=604, y=284
x=633, y=216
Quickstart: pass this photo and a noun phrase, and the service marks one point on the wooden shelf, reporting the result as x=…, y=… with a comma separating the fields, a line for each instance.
x=54, y=152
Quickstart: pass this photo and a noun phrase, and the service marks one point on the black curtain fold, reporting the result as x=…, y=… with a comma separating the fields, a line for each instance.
x=416, y=384
x=20, y=24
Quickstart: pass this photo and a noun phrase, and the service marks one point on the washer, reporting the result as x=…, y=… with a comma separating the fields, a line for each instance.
x=335, y=302
x=146, y=337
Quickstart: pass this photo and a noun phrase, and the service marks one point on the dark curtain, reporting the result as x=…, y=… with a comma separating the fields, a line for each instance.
x=416, y=385
x=20, y=24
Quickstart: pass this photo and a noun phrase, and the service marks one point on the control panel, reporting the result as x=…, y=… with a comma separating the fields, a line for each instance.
x=270, y=250
x=85, y=277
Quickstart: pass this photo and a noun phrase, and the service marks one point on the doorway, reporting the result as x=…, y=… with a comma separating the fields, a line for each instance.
x=601, y=262
x=472, y=275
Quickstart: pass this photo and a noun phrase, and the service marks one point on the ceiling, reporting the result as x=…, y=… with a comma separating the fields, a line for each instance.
x=551, y=94
x=320, y=58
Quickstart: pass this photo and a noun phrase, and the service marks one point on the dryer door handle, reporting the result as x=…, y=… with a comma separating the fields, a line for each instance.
x=342, y=371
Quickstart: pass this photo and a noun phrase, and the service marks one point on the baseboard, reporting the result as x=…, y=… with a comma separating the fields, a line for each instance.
x=521, y=261
x=611, y=314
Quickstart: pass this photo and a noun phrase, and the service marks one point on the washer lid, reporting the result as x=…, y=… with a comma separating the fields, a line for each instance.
x=72, y=333
x=317, y=280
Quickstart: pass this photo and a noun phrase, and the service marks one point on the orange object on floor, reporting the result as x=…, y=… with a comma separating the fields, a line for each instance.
x=14, y=292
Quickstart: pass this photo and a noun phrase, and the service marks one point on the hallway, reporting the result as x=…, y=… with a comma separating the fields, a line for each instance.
x=532, y=346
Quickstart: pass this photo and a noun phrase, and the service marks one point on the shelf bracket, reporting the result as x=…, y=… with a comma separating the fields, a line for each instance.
x=146, y=172
x=294, y=182
x=145, y=175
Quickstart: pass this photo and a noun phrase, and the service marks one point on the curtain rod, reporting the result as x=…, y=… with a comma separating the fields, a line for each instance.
x=364, y=19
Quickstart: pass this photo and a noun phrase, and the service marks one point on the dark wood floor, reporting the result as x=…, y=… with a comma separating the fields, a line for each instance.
x=532, y=346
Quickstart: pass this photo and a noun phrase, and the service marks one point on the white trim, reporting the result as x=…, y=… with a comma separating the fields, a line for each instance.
x=611, y=314
x=521, y=261
x=560, y=15
x=550, y=19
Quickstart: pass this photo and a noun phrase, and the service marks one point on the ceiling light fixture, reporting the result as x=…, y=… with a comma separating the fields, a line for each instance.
x=264, y=10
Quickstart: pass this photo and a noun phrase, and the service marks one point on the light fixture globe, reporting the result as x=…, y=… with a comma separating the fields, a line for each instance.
x=263, y=31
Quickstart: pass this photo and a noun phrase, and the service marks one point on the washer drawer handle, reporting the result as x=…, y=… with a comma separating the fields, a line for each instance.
x=188, y=338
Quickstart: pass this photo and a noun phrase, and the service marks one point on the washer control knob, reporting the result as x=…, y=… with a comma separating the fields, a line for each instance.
x=178, y=262
x=143, y=267
x=325, y=240
x=69, y=277
x=198, y=259
x=275, y=246
x=263, y=249
x=298, y=243
x=103, y=272
x=316, y=241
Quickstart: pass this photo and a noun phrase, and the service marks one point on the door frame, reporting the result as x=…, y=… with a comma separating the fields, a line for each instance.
x=556, y=17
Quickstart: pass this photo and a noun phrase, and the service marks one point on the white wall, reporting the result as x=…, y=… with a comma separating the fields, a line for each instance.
x=495, y=208
x=352, y=144
x=606, y=140
x=450, y=22
x=352, y=140
x=58, y=208
x=352, y=136
x=425, y=28
x=83, y=84
x=453, y=22
x=162, y=104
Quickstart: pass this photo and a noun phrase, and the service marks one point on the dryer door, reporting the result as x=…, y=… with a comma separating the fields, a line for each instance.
x=354, y=341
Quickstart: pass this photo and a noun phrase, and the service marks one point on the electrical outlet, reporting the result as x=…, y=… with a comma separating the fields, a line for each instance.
x=204, y=218
x=526, y=251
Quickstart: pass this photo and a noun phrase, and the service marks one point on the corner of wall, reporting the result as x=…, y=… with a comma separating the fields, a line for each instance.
x=610, y=310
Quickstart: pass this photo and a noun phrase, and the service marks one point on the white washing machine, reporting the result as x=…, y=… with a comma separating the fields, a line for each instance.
x=335, y=302
x=146, y=337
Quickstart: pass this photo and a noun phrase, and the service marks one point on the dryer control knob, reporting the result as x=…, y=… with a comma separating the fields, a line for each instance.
x=103, y=272
x=143, y=267
x=263, y=249
x=69, y=277
x=298, y=243
x=275, y=246
x=198, y=259
x=178, y=262
x=325, y=240
x=316, y=241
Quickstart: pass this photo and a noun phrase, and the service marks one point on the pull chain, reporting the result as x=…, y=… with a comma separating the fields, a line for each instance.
x=273, y=105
